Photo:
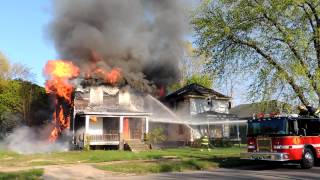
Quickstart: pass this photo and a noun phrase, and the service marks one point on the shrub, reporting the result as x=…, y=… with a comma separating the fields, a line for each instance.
x=221, y=142
x=155, y=136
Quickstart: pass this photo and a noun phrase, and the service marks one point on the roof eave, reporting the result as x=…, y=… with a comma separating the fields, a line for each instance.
x=114, y=113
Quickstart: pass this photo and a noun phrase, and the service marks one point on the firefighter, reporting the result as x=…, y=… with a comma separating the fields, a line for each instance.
x=205, y=142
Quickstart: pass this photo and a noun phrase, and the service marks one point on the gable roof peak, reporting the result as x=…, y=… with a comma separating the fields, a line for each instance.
x=194, y=87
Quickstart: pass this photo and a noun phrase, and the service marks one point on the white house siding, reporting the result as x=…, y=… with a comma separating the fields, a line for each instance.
x=198, y=105
x=221, y=106
x=215, y=131
x=95, y=128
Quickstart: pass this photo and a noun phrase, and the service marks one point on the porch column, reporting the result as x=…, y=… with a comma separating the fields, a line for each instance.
x=87, y=124
x=121, y=133
x=238, y=135
x=147, y=125
x=73, y=119
x=121, y=124
x=238, y=132
x=85, y=142
x=222, y=130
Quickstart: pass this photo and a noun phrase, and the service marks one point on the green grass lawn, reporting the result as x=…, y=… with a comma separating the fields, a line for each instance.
x=159, y=166
x=33, y=174
x=186, y=159
x=14, y=159
x=167, y=160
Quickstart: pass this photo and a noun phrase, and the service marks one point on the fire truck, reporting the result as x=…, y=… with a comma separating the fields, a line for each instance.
x=284, y=139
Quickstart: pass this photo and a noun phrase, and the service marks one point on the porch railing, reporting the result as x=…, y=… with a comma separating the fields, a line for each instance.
x=104, y=137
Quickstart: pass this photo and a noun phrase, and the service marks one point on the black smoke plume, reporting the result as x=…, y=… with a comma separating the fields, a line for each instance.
x=142, y=37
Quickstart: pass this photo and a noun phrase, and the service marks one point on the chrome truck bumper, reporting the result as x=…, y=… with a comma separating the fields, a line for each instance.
x=266, y=156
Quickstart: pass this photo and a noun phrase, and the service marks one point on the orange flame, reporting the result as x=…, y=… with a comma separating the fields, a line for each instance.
x=60, y=87
x=61, y=69
x=60, y=72
x=111, y=77
x=54, y=135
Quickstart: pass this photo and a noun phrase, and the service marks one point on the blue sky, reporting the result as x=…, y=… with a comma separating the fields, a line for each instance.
x=23, y=34
x=22, y=37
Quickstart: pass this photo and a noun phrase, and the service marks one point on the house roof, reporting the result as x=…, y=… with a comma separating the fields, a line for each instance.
x=107, y=114
x=196, y=89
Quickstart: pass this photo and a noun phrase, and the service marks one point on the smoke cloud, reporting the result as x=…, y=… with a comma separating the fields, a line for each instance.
x=27, y=140
x=142, y=37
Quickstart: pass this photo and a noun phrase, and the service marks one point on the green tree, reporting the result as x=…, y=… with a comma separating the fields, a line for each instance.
x=14, y=70
x=4, y=66
x=34, y=103
x=201, y=79
x=10, y=100
x=277, y=43
x=204, y=80
x=22, y=102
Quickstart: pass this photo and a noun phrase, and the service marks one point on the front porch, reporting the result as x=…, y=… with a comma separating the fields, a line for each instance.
x=103, y=129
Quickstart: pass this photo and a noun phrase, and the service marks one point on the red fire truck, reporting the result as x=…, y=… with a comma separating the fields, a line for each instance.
x=284, y=138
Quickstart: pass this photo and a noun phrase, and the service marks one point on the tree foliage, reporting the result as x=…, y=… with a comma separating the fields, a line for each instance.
x=202, y=79
x=28, y=100
x=277, y=43
x=21, y=101
x=156, y=136
x=4, y=66
x=14, y=70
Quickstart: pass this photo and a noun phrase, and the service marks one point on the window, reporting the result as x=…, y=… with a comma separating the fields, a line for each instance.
x=180, y=129
x=312, y=126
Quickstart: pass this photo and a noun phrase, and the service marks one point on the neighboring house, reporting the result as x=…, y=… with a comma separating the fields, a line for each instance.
x=205, y=111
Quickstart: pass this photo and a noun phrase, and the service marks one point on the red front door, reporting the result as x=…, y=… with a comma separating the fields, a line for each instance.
x=126, y=129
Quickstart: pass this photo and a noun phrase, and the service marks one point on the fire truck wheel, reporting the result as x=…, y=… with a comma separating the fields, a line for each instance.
x=307, y=161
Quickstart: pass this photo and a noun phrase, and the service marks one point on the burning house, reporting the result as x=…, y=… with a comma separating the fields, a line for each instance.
x=116, y=55
x=108, y=116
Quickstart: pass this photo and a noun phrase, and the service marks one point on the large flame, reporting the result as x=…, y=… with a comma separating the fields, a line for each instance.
x=61, y=69
x=59, y=73
x=111, y=77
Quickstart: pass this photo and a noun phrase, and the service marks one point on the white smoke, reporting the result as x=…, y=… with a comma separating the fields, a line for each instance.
x=26, y=140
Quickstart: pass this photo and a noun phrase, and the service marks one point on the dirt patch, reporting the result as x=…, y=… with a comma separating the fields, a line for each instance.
x=79, y=171
x=72, y=171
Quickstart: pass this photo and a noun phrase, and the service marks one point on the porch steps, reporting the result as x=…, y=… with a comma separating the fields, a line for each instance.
x=137, y=145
